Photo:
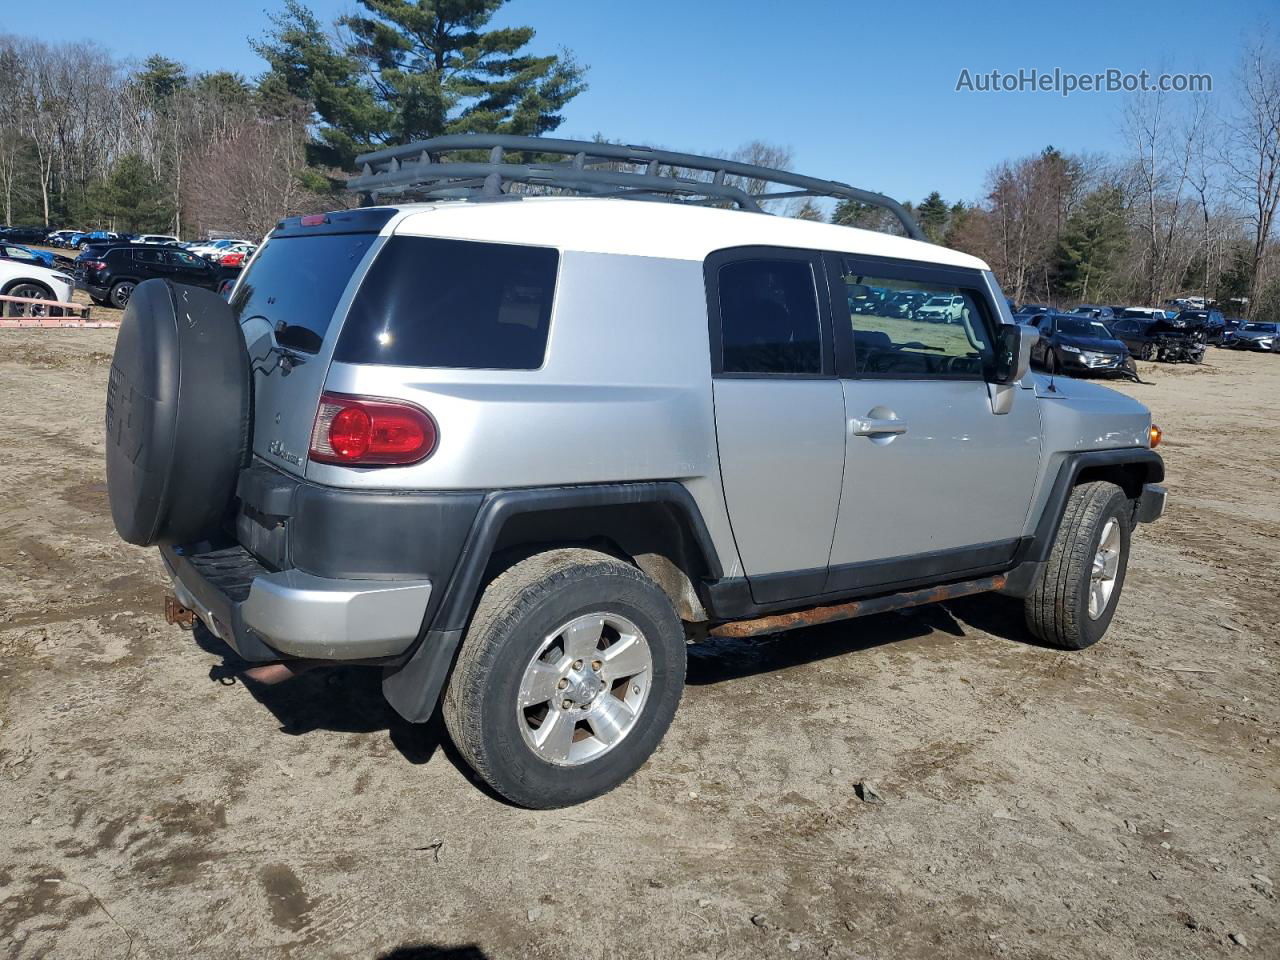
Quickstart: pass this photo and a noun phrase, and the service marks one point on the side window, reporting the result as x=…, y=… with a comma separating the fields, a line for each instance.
x=148, y=256
x=177, y=258
x=769, y=318
x=908, y=328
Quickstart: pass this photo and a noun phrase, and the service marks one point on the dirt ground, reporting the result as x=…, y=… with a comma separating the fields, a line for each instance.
x=1116, y=803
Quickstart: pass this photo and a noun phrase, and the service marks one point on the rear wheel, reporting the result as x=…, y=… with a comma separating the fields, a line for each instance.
x=568, y=678
x=1072, y=603
x=120, y=294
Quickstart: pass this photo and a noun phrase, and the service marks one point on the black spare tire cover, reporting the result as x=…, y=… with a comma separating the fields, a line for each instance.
x=178, y=405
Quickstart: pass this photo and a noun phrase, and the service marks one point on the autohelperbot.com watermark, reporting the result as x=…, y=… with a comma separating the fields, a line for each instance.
x=1065, y=82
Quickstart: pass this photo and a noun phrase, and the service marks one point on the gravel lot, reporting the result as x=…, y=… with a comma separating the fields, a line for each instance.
x=1116, y=803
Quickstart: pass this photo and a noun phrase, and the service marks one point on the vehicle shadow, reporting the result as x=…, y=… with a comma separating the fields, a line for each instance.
x=337, y=699
x=719, y=659
x=430, y=951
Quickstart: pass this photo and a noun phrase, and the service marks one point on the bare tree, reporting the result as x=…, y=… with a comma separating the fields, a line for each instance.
x=1252, y=154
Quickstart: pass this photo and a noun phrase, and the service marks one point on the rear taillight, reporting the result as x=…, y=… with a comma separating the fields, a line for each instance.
x=96, y=265
x=359, y=432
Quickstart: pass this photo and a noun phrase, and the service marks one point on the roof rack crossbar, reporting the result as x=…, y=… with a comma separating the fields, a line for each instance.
x=600, y=169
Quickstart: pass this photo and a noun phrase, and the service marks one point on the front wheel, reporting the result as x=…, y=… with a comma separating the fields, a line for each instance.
x=568, y=678
x=1075, y=597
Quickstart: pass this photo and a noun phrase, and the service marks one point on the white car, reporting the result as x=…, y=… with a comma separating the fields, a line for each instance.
x=942, y=309
x=159, y=239
x=29, y=280
x=214, y=248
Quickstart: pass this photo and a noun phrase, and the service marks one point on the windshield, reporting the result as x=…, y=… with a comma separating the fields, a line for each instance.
x=298, y=281
x=1074, y=327
x=938, y=302
x=1261, y=327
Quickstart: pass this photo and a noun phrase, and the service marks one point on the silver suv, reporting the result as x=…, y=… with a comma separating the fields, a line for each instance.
x=516, y=451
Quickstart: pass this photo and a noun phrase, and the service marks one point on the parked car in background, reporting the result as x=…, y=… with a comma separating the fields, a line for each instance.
x=1077, y=345
x=208, y=250
x=941, y=309
x=1097, y=313
x=1144, y=313
x=1212, y=321
x=61, y=238
x=159, y=239
x=25, y=234
x=1258, y=336
x=1160, y=339
x=238, y=250
x=111, y=277
x=82, y=240
x=33, y=280
x=16, y=251
x=1034, y=308
x=904, y=304
x=1229, y=327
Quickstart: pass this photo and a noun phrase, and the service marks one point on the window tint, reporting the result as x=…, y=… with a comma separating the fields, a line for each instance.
x=298, y=281
x=148, y=256
x=452, y=303
x=187, y=260
x=902, y=328
x=769, y=317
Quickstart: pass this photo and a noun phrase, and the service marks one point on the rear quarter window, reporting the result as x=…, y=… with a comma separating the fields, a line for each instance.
x=428, y=302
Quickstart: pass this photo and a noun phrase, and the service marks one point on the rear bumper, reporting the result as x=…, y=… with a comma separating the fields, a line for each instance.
x=270, y=616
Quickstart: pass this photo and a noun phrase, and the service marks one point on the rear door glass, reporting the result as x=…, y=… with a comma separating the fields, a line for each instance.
x=299, y=281
x=428, y=302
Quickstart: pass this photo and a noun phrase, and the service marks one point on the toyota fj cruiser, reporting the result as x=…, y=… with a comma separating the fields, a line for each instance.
x=516, y=451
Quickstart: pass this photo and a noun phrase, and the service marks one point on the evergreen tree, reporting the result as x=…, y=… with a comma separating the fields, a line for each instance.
x=932, y=215
x=132, y=197
x=415, y=69
x=1090, y=243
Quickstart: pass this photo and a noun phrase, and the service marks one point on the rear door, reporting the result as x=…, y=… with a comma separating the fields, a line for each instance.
x=779, y=414
x=188, y=268
x=936, y=483
x=290, y=305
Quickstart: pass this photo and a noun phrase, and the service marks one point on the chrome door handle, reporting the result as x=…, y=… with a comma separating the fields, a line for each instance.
x=867, y=427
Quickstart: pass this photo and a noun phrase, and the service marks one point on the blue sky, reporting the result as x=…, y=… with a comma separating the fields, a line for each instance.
x=862, y=92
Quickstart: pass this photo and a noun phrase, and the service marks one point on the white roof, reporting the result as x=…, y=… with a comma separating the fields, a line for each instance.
x=652, y=229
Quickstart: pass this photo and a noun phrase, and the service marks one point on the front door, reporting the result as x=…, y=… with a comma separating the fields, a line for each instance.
x=936, y=483
x=779, y=411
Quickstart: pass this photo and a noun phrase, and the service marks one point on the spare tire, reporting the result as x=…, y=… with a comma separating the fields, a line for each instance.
x=178, y=408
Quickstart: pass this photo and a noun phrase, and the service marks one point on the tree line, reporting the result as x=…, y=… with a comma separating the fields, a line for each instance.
x=1185, y=202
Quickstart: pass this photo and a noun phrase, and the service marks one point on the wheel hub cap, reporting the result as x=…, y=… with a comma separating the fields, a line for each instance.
x=1106, y=569
x=584, y=689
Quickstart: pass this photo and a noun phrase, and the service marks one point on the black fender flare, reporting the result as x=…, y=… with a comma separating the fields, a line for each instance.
x=1146, y=467
x=414, y=684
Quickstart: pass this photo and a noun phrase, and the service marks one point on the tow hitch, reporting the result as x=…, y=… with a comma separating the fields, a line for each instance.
x=174, y=612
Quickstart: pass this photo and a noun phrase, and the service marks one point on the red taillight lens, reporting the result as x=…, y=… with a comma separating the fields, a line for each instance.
x=313, y=220
x=357, y=431
x=96, y=265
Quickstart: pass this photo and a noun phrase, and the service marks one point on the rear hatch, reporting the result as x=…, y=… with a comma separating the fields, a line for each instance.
x=290, y=305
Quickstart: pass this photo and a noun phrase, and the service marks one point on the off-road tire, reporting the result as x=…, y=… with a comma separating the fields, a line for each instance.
x=516, y=611
x=1057, y=609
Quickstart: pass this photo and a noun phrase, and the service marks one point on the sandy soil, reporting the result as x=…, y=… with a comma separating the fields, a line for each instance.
x=1116, y=803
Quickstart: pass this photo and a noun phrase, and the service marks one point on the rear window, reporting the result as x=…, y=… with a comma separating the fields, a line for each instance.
x=298, y=281
x=428, y=302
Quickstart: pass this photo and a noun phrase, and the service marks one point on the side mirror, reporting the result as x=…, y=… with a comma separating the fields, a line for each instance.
x=1013, y=352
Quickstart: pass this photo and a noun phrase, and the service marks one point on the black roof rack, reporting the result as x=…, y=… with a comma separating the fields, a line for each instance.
x=597, y=169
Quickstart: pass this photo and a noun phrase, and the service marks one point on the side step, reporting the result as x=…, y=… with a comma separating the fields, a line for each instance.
x=812, y=616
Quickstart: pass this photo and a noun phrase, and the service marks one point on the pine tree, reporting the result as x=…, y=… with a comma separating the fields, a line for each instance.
x=932, y=215
x=415, y=69
x=1090, y=243
x=132, y=198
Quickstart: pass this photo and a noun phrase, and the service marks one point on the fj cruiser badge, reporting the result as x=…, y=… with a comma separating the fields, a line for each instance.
x=276, y=449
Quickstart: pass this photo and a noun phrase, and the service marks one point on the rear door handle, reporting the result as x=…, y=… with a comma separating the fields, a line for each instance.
x=869, y=427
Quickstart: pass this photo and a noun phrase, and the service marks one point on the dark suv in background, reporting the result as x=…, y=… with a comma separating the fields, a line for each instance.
x=111, y=275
